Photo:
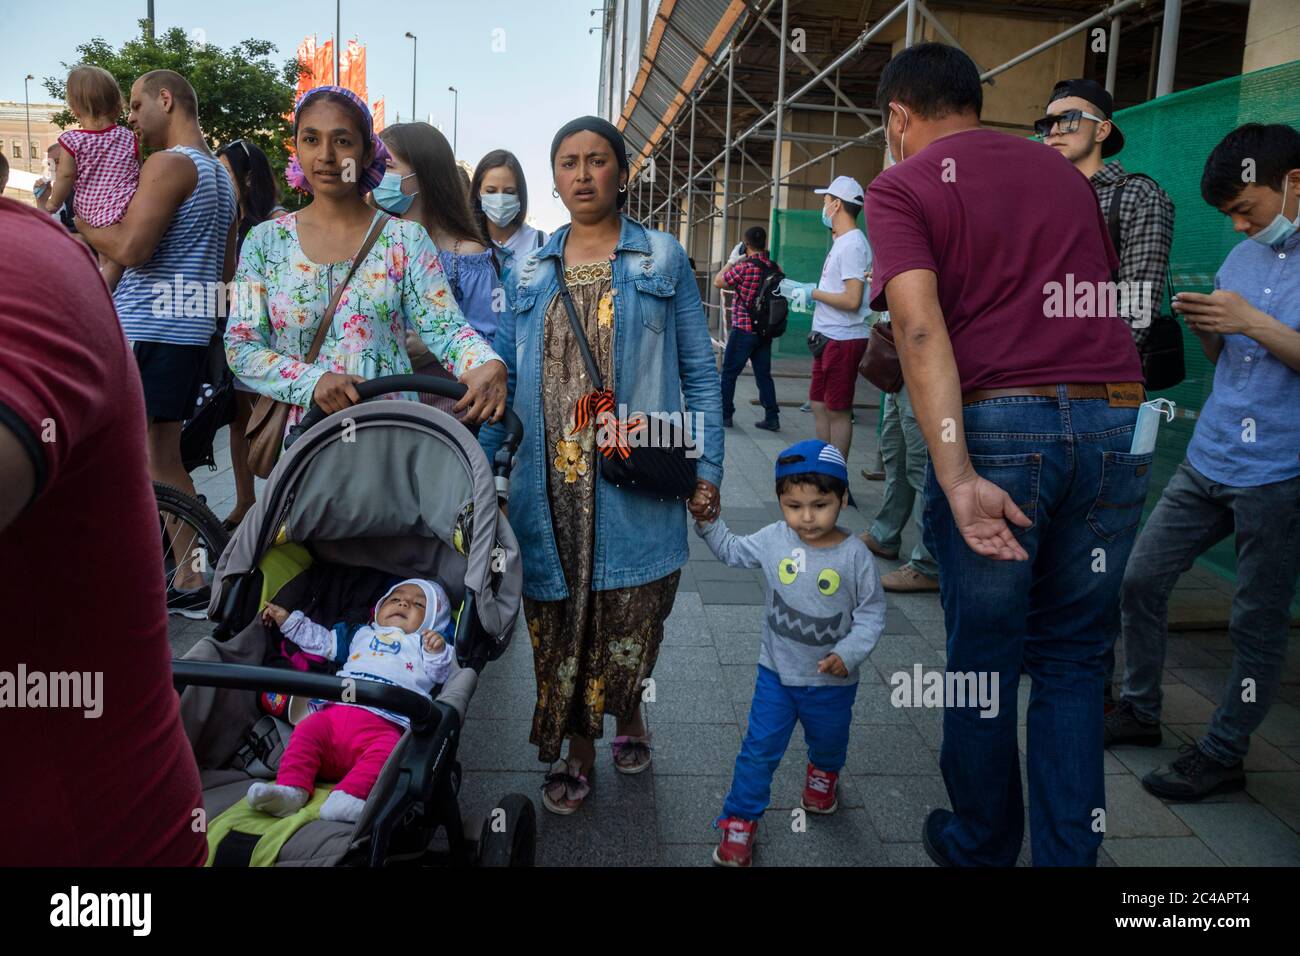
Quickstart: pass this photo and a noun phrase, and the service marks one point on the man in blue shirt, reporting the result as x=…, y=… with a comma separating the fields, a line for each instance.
x=1242, y=471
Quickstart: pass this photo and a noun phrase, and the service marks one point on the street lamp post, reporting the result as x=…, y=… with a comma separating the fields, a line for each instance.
x=151, y=31
x=415, y=49
x=27, y=105
x=455, y=116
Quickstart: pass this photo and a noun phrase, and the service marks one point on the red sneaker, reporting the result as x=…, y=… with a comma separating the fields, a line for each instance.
x=819, y=791
x=737, y=846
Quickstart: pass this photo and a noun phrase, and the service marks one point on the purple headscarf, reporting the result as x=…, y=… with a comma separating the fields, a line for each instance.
x=372, y=174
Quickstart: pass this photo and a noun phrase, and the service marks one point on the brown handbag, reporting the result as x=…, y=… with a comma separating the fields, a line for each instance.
x=880, y=365
x=270, y=416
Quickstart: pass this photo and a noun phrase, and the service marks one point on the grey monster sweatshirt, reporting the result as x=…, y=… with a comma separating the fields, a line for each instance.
x=819, y=600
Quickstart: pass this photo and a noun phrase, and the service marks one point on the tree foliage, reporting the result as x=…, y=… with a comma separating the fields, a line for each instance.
x=241, y=92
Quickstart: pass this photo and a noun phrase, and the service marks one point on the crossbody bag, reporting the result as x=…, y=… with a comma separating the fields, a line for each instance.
x=635, y=465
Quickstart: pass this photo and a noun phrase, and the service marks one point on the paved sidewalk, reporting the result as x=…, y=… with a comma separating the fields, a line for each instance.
x=704, y=681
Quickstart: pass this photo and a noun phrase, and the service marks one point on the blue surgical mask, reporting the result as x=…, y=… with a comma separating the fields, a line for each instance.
x=388, y=194
x=1148, y=425
x=1281, y=228
x=826, y=218
x=501, y=208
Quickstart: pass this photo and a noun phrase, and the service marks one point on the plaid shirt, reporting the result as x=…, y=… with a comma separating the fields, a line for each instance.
x=744, y=277
x=1146, y=232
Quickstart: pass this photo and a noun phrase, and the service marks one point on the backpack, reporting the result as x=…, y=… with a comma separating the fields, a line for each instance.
x=769, y=310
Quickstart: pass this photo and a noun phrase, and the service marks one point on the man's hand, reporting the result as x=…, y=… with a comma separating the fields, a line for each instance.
x=486, y=399
x=980, y=510
x=1222, y=312
x=831, y=664
x=706, y=503
x=274, y=614
x=335, y=392
x=433, y=642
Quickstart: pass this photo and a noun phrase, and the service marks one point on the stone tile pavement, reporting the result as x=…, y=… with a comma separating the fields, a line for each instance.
x=704, y=681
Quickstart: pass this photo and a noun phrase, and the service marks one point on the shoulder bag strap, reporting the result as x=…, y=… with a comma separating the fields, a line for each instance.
x=581, y=336
x=328, y=319
x=1112, y=214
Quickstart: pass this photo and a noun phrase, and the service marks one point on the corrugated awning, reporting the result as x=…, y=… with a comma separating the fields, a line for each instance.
x=684, y=39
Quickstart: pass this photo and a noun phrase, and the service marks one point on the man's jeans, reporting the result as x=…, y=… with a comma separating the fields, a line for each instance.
x=902, y=446
x=745, y=347
x=1193, y=514
x=1065, y=462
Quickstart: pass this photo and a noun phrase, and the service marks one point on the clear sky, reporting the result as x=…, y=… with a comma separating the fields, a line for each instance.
x=512, y=98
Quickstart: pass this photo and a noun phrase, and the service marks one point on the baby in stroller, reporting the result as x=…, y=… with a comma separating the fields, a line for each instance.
x=405, y=644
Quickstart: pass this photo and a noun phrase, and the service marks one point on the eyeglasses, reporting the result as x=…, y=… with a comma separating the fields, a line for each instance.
x=1066, y=122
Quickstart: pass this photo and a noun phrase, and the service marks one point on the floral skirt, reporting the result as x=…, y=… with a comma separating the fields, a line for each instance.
x=591, y=653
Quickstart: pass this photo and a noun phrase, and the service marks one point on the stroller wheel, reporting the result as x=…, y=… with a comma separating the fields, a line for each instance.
x=509, y=835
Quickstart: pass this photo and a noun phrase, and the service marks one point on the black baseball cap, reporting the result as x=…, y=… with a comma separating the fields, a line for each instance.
x=1096, y=94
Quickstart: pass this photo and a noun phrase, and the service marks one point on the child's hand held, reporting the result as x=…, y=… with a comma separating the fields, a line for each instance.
x=831, y=664
x=433, y=642
x=274, y=614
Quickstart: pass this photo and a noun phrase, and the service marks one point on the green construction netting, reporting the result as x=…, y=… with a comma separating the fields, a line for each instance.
x=1168, y=139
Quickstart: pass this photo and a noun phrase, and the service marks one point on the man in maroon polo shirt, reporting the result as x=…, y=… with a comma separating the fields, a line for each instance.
x=98, y=773
x=993, y=261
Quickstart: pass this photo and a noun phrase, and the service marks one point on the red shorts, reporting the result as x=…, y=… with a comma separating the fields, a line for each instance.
x=835, y=373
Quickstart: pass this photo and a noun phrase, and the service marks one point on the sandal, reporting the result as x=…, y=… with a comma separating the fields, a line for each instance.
x=631, y=754
x=565, y=787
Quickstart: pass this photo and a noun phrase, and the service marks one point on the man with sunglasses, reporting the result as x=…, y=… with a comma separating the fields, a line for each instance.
x=1078, y=125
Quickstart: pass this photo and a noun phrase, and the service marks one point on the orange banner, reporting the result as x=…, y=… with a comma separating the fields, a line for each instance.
x=377, y=111
x=353, y=68
x=323, y=72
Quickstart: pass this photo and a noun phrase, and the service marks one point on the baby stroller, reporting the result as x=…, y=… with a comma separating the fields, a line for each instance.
x=383, y=490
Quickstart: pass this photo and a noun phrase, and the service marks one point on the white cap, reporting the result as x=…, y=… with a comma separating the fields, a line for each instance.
x=844, y=187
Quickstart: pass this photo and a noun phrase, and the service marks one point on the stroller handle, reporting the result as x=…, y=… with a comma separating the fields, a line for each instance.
x=418, y=708
x=375, y=387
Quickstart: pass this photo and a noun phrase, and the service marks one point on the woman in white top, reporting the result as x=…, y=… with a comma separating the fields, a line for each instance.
x=500, y=197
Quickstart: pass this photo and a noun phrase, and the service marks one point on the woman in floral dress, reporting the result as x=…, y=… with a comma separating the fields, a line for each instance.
x=289, y=266
x=601, y=564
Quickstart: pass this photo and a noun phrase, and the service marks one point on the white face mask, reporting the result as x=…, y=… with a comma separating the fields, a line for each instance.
x=1281, y=228
x=501, y=208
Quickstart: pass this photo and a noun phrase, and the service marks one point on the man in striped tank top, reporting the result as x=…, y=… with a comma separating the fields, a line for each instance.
x=177, y=241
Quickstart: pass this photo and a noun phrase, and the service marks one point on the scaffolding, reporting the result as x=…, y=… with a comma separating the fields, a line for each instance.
x=692, y=47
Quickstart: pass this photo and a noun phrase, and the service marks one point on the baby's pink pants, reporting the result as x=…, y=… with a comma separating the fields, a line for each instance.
x=343, y=743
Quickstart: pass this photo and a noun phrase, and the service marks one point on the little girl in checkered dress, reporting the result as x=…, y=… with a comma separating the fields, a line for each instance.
x=102, y=159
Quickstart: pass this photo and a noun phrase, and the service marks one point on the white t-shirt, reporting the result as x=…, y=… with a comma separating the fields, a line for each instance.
x=849, y=258
x=525, y=240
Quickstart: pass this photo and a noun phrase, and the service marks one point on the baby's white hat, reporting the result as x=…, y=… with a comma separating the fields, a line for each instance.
x=437, y=607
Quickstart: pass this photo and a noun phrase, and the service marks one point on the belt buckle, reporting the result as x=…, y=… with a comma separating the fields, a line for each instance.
x=1124, y=394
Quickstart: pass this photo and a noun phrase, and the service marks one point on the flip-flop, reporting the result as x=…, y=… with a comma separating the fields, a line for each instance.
x=637, y=747
x=567, y=773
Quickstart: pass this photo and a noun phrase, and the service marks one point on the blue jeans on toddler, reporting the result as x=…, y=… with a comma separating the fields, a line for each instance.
x=824, y=713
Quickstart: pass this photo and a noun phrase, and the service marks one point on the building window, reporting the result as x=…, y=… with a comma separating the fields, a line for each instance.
x=36, y=149
x=18, y=150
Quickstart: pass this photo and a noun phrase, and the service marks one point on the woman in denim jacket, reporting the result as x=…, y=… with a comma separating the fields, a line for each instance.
x=601, y=564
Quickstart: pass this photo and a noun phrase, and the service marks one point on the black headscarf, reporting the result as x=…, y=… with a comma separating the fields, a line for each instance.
x=602, y=128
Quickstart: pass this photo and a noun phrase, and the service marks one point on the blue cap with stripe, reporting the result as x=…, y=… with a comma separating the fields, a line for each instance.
x=812, y=456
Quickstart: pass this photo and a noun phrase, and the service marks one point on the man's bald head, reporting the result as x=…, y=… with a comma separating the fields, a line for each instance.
x=182, y=94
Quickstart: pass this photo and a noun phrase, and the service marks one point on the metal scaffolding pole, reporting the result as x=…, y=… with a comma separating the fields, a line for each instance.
x=672, y=167
x=1169, y=47
x=690, y=182
x=1062, y=36
x=911, y=23
x=1112, y=56
x=780, y=115
x=726, y=181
